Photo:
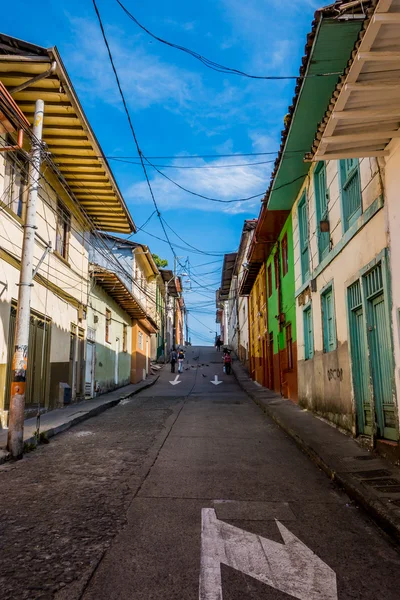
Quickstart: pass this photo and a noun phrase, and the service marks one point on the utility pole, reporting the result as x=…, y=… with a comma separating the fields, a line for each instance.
x=15, y=442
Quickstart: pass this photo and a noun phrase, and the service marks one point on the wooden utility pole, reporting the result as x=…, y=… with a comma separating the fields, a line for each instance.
x=15, y=442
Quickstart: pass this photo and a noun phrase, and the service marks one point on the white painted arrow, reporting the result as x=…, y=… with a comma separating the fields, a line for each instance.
x=175, y=381
x=216, y=380
x=291, y=567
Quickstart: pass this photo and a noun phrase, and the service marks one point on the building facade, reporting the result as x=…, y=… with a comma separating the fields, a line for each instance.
x=281, y=316
x=68, y=208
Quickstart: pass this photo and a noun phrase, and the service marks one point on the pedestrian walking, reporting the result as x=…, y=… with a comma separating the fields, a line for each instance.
x=227, y=362
x=181, y=358
x=218, y=343
x=173, y=359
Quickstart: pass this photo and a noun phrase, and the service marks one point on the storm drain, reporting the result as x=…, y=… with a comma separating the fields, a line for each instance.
x=385, y=485
x=372, y=474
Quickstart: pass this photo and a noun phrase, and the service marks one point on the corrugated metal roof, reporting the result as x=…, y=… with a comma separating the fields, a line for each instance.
x=363, y=116
x=66, y=131
x=327, y=50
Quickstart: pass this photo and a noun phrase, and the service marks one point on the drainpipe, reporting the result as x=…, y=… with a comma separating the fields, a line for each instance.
x=15, y=441
x=39, y=77
x=17, y=146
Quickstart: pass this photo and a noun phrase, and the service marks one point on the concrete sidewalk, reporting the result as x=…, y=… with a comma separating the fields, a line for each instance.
x=369, y=480
x=61, y=419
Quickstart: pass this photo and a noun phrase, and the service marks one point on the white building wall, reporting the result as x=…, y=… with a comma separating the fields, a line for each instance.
x=333, y=397
x=68, y=279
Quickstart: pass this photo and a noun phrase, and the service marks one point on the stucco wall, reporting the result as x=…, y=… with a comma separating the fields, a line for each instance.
x=140, y=364
x=106, y=351
x=68, y=278
x=325, y=383
x=391, y=182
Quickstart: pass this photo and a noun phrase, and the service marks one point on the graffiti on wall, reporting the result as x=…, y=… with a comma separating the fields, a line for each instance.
x=335, y=374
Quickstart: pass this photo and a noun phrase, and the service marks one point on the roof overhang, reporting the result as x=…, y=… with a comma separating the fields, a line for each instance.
x=333, y=40
x=364, y=112
x=115, y=288
x=66, y=131
x=172, y=281
x=227, y=272
x=269, y=226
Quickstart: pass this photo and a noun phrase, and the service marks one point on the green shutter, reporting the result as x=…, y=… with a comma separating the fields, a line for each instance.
x=303, y=234
x=321, y=202
x=328, y=320
x=308, y=334
x=351, y=191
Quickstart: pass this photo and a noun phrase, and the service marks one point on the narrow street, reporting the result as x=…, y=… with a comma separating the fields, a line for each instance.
x=112, y=509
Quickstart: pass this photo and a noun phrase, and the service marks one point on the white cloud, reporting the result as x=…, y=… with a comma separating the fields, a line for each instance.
x=225, y=184
x=144, y=76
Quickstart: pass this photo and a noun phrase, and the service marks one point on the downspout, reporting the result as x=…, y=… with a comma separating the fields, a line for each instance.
x=16, y=146
x=39, y=77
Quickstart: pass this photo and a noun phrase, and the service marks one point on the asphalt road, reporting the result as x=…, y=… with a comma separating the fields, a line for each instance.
x=113, y=509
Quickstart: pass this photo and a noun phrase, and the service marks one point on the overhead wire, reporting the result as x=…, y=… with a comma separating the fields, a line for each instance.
x=217, y=66
x=131, y=124
x=181, y=187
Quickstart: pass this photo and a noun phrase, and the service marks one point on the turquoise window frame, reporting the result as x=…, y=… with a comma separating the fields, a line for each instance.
x=349, y=174
x=303, y=237
x=308, y=332
x=328, y=318
x=321, y=208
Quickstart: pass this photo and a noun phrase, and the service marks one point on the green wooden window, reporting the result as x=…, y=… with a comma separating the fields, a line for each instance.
x=351, y=190
x=321, y=205
x=328, y=320
x=308, y=334
x=303, y=234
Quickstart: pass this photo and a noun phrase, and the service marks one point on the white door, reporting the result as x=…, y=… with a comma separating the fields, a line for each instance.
x=116, y=360
x=89, y=370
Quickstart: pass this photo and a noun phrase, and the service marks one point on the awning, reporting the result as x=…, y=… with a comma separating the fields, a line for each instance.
x=66, y=131
x=364, y=111
x=328, y=51
x=115, y=288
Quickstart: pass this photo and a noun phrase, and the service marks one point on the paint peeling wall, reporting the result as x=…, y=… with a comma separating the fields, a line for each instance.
x=325, y=381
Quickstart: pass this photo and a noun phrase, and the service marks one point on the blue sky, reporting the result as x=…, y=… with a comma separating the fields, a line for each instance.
x=179, y=107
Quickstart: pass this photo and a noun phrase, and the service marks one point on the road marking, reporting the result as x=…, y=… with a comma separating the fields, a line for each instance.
x=291, y=567
x=175, y=381
x=216, y=380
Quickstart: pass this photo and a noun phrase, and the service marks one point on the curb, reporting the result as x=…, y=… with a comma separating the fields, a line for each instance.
x=49, y=433
x=383, y=517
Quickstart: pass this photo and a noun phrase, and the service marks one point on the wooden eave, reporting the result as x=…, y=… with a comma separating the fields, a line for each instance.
x=227, y=273
x=66, y=131
x=364, y=113
x=115, y=288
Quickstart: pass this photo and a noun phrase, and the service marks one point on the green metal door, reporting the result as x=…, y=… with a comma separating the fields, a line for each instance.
x=360, y=366
x=381, y=363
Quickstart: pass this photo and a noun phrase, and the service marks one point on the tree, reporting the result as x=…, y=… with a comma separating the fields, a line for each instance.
x=160, y=262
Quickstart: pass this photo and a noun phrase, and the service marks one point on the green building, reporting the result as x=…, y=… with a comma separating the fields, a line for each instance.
x=281, y=315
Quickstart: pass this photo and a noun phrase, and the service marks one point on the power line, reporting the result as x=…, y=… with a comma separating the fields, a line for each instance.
x=201, y=195
x=131, y=127
x=131, y=162
x=216, y=66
